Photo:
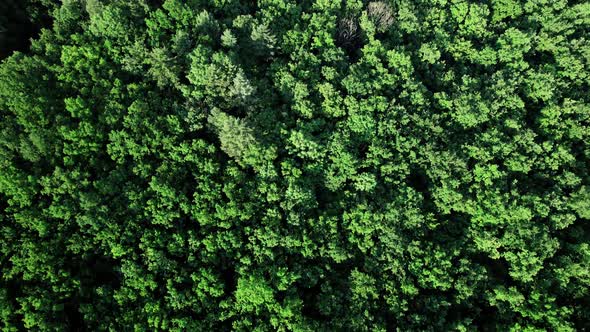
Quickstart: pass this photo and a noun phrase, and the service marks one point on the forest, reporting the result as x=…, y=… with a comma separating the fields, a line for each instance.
x=294, y=165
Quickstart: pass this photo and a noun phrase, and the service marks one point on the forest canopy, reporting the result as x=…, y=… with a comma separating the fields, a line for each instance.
x=286, y=165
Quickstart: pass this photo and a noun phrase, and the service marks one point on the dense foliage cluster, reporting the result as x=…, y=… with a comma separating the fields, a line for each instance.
x=286, y=165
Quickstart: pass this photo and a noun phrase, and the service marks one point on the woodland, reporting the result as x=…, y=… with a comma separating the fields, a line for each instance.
x=294, y=165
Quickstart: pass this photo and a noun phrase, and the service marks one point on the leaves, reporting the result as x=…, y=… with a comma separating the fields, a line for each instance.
x=297, y=166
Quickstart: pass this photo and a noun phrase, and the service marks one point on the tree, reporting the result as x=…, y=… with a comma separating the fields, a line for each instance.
x=295, y=165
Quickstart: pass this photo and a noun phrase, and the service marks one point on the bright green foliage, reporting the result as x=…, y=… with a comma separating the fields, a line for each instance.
x=235, y=135
x=282, y=165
